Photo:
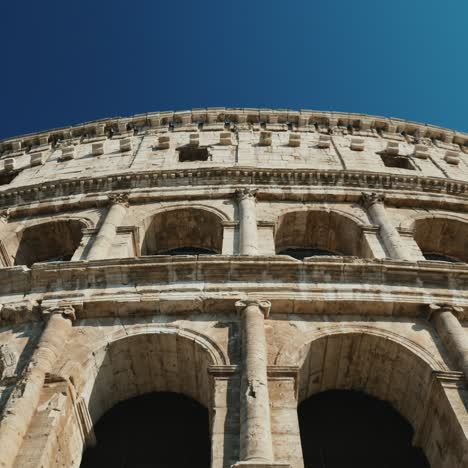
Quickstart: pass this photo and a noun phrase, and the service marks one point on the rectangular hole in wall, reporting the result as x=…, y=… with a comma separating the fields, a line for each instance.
x=7, y=177
x=401, y=162
x=193, y=154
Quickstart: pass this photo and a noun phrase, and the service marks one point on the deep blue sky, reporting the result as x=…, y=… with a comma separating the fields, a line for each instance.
x=66, y=62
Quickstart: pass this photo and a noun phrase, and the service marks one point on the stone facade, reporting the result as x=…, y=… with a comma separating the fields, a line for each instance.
x=322, y=251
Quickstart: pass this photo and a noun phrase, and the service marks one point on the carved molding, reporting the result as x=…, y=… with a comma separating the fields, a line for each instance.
x=338, y=279
x=450, y=379
x=223, y=371
x=42, y=194
x=230, y=224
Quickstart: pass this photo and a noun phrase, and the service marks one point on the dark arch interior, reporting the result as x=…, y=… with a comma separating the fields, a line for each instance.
x=444, y=238
x=300, y=254
x=439, y=257
x=344, y=429
x=188, y=251
x=167, y=430
x=183, y=228
x=316, y=231
x=49, y=242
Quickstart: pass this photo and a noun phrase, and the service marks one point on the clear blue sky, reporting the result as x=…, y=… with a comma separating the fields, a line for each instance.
x=66, y=62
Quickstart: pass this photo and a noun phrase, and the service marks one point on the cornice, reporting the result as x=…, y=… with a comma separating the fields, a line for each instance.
x=217, y=117
x=164, y=284
x=142, y=186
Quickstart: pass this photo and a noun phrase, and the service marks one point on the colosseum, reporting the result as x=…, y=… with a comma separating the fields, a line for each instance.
x=238, y=288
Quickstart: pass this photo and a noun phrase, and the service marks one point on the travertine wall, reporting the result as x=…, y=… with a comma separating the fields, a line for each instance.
x=247, y=332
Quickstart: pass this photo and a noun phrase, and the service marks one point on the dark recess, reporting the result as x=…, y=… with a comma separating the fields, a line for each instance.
x=193, y=154
x=165, y=430
x=397, y=161
x=347, y=429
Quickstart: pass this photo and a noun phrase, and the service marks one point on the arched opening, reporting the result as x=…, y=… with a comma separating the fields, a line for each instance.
x=442, y=239
x=184, y=231
x=433, y=256
x=164, y=429
x=301, y=253
x=318, y=232
x=377, y=365
x=144, y=362
x=343, y=428
x=49, y=242
x=188, y=251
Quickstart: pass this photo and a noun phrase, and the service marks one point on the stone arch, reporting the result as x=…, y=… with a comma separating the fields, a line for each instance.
x=442, y=236
x=291, y=353
x=50, y=239
x=316, y=230
x=175, y=228
x=133, y=361
x=200, y=206
x=384, y=365
x=87, y=222
x=179, y=363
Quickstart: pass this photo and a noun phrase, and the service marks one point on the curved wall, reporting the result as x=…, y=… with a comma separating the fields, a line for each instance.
x=157, y=225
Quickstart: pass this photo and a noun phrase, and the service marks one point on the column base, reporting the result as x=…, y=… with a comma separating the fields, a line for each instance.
x=259, y=464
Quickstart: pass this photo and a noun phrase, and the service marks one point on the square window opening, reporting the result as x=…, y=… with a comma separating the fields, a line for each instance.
x=397, y=161
x=7, y=177
x=193, y=154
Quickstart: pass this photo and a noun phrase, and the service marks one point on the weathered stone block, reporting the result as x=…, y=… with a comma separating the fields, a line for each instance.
x=37, y=159
x=68, y=153
x=9, y=164
x=125, y=145
x=97, y=149
x=324, y=141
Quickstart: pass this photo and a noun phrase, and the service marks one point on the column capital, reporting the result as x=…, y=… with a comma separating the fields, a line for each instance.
x=369, y=199
x=246, y=193
x=263, y=305
x=5, y=215
x=118, y=199
x=434, y=309
x=65, y=310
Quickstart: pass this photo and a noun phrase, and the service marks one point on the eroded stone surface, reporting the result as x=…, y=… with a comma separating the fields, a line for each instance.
x=95, y=310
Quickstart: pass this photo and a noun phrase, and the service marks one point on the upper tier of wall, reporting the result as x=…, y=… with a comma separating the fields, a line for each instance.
x=269, y=140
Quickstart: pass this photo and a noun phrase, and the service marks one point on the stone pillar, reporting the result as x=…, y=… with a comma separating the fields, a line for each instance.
x=283, y=383
x=374, y=204
x=445, y=320
x=248, y=243
x=224, y=416
x=21, y=406
x=255, y=427
x=114, y=217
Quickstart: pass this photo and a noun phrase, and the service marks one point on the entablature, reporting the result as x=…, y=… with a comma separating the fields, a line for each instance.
x=294, y=185
x=164, y=284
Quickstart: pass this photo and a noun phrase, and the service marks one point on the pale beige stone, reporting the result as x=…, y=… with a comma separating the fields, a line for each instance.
x=147, y=321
